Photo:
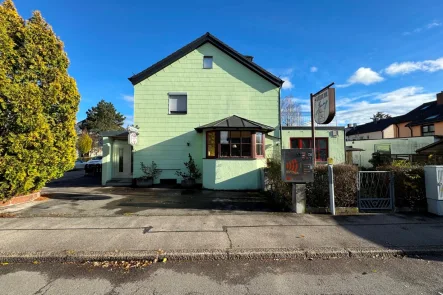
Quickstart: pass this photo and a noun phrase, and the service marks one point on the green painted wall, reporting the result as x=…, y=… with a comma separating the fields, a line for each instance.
x=106, y=160
x=398, y=146
x=336, y=144
x=227, y=89
x=224, y=174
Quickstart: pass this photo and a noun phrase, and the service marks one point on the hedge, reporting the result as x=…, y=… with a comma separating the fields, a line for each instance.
x=409, y=184
x=317, y=194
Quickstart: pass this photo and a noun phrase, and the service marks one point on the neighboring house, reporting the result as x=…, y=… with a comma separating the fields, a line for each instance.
x=399, y=136
x=329, y=141
x=207, y=100
x=425, y=120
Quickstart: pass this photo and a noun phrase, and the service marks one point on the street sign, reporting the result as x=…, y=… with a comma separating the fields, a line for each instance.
x=297, y=165
x=324, y=106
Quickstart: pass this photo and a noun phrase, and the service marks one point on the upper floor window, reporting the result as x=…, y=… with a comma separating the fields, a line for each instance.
x=427, y=130
x=178, y=103
x=207, y=62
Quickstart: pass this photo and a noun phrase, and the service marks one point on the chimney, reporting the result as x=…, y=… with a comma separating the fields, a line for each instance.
x=249, y=57
x=355, y=125
x=440, y=98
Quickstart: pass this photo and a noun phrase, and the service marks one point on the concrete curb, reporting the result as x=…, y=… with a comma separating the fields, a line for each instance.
x=219, y=254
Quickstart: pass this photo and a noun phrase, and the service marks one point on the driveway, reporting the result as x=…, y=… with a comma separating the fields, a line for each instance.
x=77, y=195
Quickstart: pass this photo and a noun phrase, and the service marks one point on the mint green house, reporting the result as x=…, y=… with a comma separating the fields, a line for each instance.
x=207, y=100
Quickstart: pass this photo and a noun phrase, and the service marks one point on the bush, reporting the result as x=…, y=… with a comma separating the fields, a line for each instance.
x=317, y=195
x=409, y=184
x=345, y=187
x=38, y=104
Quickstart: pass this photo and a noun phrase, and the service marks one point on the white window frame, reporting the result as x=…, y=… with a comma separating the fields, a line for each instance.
x=178, y=95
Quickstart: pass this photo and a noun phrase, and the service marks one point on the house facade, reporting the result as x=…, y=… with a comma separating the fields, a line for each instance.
x=205, y=100
x=329, y=141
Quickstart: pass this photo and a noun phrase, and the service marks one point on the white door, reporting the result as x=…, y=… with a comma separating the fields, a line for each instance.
x=121, y=160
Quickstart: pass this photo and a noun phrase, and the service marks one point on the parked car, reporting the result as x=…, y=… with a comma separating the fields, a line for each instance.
x=95, y=160
x=79, y=164
x=94, y=166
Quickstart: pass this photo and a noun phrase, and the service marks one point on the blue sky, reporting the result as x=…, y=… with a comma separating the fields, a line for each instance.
x=383, y=55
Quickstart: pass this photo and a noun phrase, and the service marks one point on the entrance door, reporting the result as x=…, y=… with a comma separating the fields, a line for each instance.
x=121, y=160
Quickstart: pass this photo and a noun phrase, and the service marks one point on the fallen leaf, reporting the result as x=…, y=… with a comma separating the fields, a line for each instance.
x=5, y=263
x=164, y=260
x=36, y=262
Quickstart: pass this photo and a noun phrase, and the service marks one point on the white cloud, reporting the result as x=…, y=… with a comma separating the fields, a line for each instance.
x=313, y=69
x=287, y=84
x=128, y=98
x=410, y=66
x=429, y=26
x=395, y=103
x=365, y=76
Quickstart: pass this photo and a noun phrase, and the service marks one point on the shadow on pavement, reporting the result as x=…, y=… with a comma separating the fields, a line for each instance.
x=76, y=197
x=408, y=232
x=75, y=178
x=195, y=200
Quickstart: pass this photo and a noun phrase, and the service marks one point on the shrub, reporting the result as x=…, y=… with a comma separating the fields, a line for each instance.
x=150, y=171
x=192, y=170
x=317, y=194
x=38, y=104
x=84, y=143
x=409, y=184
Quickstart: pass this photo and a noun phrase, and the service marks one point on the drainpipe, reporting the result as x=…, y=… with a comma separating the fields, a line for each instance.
x=410, y=129
x=398, y=130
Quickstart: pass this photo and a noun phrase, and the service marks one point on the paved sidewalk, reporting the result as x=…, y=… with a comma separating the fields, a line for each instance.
x=218, y=236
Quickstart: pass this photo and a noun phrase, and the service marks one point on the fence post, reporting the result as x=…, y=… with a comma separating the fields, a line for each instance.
x=392, y=190
x=331, y=189
x=299, y=197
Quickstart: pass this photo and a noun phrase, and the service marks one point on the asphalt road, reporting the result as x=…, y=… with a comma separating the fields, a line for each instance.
x=337, y=276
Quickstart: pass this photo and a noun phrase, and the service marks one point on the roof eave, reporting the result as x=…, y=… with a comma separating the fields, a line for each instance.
x=137, y=78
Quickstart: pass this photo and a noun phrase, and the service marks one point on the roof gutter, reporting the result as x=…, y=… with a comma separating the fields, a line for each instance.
x=398, y=130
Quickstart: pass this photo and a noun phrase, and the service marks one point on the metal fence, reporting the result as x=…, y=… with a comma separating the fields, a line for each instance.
x=375, y=190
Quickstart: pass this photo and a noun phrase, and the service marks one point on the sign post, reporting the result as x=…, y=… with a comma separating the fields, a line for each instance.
x=331, y=185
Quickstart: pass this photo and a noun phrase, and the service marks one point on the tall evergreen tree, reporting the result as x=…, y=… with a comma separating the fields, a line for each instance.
x=38, y=104
x=104, y=117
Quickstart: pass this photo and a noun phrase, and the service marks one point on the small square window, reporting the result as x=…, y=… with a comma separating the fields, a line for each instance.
x=178, y=104
x=207, y=62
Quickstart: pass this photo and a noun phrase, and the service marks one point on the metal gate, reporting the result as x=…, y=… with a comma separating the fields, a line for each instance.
x=375, y=190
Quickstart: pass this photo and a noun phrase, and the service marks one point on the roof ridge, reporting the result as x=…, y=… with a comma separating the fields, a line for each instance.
x=207, y=37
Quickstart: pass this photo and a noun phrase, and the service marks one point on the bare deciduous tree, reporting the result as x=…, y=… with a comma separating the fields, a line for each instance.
x=290, y=112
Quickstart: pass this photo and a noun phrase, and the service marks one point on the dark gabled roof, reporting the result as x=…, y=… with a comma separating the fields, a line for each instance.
x=244, y=60
x=371, y=127
x=426, y=113
x=235, y=123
